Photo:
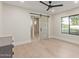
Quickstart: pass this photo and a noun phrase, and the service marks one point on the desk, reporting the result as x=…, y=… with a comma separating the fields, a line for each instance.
x=6, y=46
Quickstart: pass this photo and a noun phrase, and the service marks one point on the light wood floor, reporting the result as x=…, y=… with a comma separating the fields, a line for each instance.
x=47, y=48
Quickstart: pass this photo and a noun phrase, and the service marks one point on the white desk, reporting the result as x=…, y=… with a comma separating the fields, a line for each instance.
x=6, y=46
x=5, y=40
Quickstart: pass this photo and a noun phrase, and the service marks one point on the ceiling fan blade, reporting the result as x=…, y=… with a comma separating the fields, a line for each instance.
x=44, y=3
x=48, y=8
x=57, y=5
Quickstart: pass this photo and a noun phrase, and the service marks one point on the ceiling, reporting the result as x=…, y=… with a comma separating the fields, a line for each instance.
x=38, y=7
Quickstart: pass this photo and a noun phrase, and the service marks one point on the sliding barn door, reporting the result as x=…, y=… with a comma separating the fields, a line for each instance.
x=43, y=27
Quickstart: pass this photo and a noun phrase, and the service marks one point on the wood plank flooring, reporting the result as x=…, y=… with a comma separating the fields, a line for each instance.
x=51, y=48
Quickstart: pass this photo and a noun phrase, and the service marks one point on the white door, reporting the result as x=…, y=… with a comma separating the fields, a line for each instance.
x=43, y=27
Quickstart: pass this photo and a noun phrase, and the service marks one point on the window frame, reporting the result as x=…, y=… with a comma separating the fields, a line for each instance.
x=68, y=25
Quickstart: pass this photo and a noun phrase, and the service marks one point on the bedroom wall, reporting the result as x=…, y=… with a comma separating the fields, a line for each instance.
x=17, y=22
x=55, y=24
x=1, y=18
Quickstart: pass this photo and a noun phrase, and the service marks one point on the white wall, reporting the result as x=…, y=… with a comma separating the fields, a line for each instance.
x=1, y=18
x=56, y=26
x=17, y=21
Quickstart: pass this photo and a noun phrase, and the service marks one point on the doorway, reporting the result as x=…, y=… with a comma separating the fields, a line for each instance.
x=39, y=29
x=35, y=28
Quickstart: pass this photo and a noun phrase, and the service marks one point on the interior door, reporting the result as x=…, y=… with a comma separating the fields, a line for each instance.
x=43, y=27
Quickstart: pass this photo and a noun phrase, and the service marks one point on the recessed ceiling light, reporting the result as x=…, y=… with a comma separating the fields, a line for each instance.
x=75, y=2
x=52, y=10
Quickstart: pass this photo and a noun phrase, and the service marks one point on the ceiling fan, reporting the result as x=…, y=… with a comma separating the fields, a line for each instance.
x=51, y=6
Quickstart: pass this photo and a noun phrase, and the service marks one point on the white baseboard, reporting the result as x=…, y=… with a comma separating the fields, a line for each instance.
x=59, y=38
x=22, y=42
x=65, y=39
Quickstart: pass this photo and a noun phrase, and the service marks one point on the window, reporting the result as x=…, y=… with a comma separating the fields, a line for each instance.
x=65, y=25
x=70, y=25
